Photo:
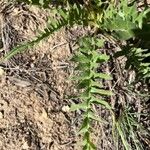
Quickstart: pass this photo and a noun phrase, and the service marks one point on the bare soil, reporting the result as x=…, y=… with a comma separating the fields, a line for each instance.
x=34, y=112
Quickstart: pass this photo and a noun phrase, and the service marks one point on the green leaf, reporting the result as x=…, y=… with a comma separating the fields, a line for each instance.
x=142, y=15
x=100, y=42
x=78, y=106
x=101, y=102
x=96, y=84
x=92, y=146
x=124, y=34
x=102, y=76
x=101, y=92
x=86, y=43
x=85, y=126
x=92, y=116
x=99, y=57
x=80, y=58
x=83, y=66
x=84, y=83
x=86, y=94
x=84, y=49
x=17, y=49
x=102, y=57
x=86, y=137
x=132, y=11
x=86, y=147
x=87, y=143
x=145, y=64
x=83, y=75
x=94, y=65
x=63, y=14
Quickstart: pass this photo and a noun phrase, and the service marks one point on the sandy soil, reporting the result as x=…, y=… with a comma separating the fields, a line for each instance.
x=33, y=109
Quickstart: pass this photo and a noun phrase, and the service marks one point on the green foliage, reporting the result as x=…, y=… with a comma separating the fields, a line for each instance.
x=125, y=22
x=91, y=84
x=121, y=21
x=129, y=129
x=135, y=60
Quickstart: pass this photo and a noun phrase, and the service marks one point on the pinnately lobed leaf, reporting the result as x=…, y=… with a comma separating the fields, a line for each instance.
x=90, y=83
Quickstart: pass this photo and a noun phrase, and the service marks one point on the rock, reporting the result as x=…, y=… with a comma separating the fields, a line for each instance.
x=1, y=115
x=66, y=108
x=1, y=72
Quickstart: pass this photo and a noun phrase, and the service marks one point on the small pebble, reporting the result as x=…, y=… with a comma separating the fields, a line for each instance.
x=1, y=115
x=32, y=65
x=66, y=108
x=1, y=72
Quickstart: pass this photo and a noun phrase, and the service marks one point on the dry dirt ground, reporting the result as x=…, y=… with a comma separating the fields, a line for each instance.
x=34, y=87
x=33, y=108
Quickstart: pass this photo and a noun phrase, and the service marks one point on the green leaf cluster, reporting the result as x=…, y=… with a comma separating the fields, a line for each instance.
x=90, y=83
x=135, y=60
x=125, y=22
x=123, y=19
x=127, y=126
